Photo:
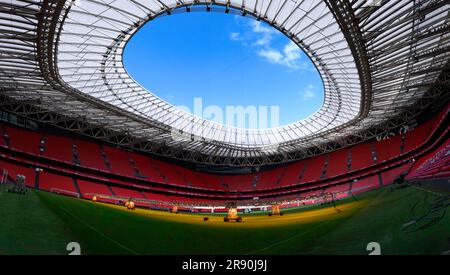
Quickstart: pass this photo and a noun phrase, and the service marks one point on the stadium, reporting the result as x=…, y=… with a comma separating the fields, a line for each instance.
x=95, y=162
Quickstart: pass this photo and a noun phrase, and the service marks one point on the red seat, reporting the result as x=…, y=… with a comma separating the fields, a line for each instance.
x=55, y=183
x=389, y=148
x=156, y=197
x=239, y=182
x=338, y=188
x=365, y=184
x=195, y=179
x=305, y=176
x=314, y=169
x=2, y=133
x=127, y=193
x=361, y=157
x=418, y=136
x=171, y=174
x=24, y=140
x=339, y=191
x=89, y=189
x=90, y=155
x=389, y=176
x=119, y=161
x=433, y=165
x=292, y=174
x=212, y=182
x=145, y=168
x=338, y=163
x=270, y=179
x=58, y=147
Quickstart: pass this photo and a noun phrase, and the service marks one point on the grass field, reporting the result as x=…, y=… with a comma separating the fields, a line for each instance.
x=43, y=223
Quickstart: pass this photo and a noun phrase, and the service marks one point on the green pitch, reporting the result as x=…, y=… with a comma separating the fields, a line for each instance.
x=43, y=223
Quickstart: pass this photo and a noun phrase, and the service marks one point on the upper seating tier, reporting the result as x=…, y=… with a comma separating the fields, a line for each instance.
x=24, y=140
x=90, y=155
x=119, y=161
x=59, y=147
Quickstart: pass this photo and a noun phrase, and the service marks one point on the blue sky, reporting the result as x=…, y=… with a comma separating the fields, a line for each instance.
x=226, y=60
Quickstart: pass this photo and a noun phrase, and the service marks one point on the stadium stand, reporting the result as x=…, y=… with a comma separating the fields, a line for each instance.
x=156, y=197
x=314, y=169
x=361, y=157
x=340, y=191
x=132, y=174
x=170, y=175
x=119, y=161
x=89, y=189
x=187, y=176
x=415, y=138
x=127, y=193
x=212, y=182
x=90, y=155
x=435, y=165
x=58, y=147
x=56, y=183
x=293, y=174
x=239, y=182
x=365, y=184
x=389, y=176
x=23, y=140
x=338, y=163
x=146, y=170
x=389, y=148
x=13, y=170
x=268, y=179
x=2, y=133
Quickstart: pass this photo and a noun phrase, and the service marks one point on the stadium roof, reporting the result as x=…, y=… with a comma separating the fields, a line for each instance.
x=382, y=62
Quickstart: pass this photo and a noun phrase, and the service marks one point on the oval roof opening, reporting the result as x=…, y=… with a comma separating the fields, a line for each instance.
x=225, y=68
